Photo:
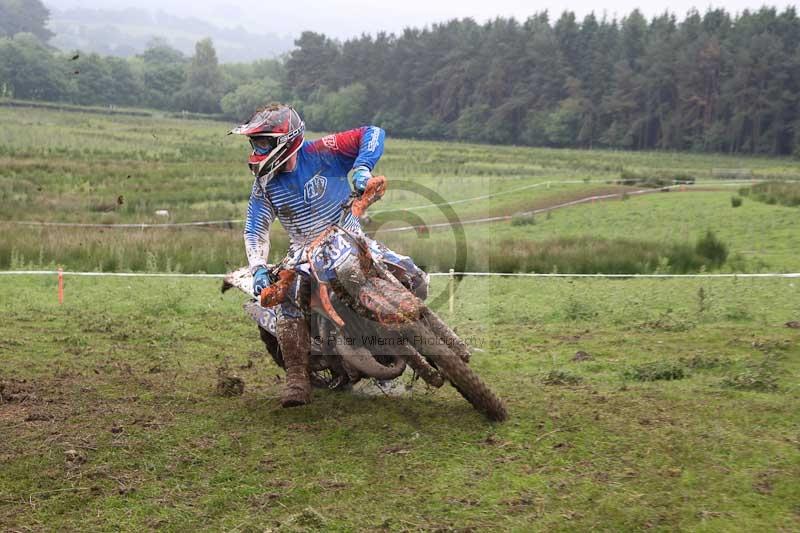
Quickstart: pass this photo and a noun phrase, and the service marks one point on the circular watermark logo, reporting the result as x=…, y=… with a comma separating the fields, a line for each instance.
x=411, y=222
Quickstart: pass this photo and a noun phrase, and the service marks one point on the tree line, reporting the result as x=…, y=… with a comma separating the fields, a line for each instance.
x=161, y=77
x=708, y=82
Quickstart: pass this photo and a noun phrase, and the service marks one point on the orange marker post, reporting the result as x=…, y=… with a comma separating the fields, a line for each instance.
x=60, y=286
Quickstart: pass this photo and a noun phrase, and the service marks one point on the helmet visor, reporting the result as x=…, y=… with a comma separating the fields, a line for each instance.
x=264, y=144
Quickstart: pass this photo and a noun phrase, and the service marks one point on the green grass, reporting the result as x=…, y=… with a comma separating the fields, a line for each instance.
x=759, y=237
x=71, y=166
x=655, y=371
x=111, y=418
x=775, y=192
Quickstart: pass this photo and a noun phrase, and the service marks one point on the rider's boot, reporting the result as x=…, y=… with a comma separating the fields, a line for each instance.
x=295, y=343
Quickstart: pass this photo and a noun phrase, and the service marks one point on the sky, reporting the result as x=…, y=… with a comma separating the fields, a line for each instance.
x=347, y=18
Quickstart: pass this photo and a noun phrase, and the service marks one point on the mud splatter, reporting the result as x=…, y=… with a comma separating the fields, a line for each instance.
x=229, y=385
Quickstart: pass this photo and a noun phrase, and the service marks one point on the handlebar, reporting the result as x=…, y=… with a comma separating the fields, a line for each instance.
x=276, y=293
x=376, y=187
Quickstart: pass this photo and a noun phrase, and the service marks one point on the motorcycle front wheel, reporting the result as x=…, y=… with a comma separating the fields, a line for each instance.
x=458, y=372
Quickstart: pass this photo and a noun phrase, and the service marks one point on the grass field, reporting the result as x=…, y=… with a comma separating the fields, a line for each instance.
x=110, y=419
x=761, y=237
x=635, y=404
x=66, y=166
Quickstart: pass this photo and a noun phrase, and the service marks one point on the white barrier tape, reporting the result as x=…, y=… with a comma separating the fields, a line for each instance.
x=620, y=276
x=433, y=274
x=109, y=274
x=123, y=226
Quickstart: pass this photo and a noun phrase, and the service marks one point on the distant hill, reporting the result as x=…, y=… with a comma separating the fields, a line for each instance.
x=126, y=32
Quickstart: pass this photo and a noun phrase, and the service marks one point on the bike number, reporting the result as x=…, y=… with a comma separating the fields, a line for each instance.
x=330, y=255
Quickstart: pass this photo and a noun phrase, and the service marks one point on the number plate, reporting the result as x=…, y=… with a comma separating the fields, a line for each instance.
x=330, y=254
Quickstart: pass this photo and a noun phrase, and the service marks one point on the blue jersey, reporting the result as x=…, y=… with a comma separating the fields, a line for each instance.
x=309, y=198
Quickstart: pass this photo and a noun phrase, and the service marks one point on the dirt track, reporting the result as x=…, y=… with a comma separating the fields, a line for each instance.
x=552, y=203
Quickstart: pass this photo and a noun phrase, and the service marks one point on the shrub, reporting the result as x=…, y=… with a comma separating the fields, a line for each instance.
x=561, y=377
x=668, y=322
x=760, y=378
x=736, y=201
x=777, y=192
x=629, y=177
x=701, y=362
x=684, y=177
x=738, y=312
x=575, y=255
x=713, y=249
x=682, y=258
x=655, y=371
x=523, y=219
x=702, y=300
x=654, y=180
x=577, y=310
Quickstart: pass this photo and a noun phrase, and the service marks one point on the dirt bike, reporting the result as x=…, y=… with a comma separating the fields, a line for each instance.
x=364, y=322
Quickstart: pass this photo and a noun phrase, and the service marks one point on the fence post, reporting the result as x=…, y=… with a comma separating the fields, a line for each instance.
x=60, y=286
x=452, y=289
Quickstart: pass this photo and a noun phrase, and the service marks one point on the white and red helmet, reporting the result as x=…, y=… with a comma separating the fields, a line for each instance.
x=276, y=134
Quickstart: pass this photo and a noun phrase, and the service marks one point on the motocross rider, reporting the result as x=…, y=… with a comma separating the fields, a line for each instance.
x=304, y=184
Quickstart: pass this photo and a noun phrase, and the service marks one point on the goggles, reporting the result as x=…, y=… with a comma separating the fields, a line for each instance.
x=264, y=144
